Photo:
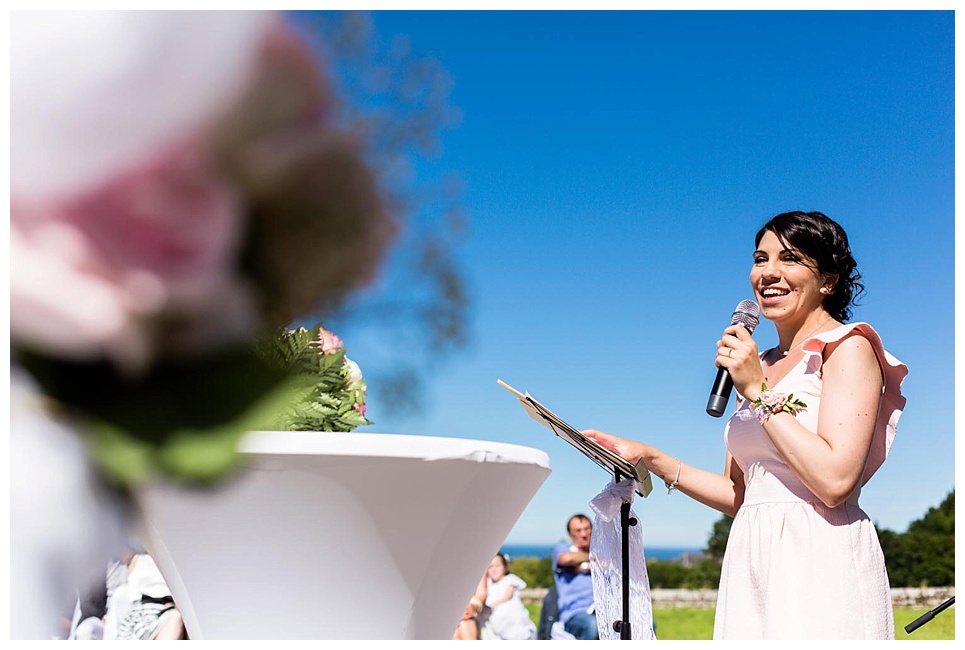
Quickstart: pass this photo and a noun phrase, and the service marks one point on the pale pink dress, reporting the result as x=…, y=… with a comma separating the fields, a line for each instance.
x=794, y=568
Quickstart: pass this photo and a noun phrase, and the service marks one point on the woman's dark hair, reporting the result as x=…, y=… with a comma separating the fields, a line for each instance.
x=824, y=243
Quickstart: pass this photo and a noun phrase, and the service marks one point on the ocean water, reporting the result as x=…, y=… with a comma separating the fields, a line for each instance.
x=538, y=550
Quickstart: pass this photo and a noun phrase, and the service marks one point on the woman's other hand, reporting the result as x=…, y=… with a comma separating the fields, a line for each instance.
x=629, y=450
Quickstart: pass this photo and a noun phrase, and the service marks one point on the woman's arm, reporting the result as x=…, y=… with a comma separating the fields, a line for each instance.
x=831, y=463
x=723, y=492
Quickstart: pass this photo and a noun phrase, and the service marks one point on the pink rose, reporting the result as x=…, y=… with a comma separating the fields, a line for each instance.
x=328, y=342
x=143, y=173
x=774, y=401
x=124, y=236
x=140, y=264
x=360, y=408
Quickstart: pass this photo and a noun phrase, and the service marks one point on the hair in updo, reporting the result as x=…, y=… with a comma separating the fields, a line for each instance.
x=824, y=244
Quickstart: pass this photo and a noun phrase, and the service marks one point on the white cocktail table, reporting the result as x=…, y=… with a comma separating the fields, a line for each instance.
x=339, y=535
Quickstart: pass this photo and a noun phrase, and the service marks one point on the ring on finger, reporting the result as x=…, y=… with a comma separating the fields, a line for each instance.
x=728, y=353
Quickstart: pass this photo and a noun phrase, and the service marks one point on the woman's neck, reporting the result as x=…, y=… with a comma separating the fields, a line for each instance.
x=790, y=338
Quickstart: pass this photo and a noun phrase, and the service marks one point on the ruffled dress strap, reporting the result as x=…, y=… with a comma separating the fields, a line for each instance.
x=892, y=401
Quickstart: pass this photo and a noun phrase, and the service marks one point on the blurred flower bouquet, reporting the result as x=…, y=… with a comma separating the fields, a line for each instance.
x=331, y=393
x=169, y=207
x=183, y=185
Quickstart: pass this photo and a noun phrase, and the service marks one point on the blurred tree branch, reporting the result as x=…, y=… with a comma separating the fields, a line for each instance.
x=398, y=104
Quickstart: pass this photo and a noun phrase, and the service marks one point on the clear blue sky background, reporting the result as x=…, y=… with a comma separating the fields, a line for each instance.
x=617, y=166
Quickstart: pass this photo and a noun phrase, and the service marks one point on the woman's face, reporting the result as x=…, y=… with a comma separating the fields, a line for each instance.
x=785, y=284
x=496, y=570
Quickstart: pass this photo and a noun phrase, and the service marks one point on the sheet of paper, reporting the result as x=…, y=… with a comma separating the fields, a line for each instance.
x=602, y=456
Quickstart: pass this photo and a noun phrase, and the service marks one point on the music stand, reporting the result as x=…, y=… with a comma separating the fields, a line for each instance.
x=616, y=465
x=927, y=616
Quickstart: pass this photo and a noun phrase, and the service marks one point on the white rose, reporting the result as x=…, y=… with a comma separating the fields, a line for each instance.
x=354, y=372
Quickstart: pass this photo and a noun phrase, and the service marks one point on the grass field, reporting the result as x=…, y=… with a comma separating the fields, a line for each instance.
x=698, y=624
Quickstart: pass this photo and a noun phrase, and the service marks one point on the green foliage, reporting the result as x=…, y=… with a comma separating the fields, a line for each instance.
x=536, y=572
x=182, y=420
x=703, y=575
x=324, y=396
x=718, y=537
x=938, y=521
x=669, y=574
x=925, y=554
x=666, y=575
x=663, y=574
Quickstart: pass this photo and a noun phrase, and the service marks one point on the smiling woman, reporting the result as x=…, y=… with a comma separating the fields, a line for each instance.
x=802, y=560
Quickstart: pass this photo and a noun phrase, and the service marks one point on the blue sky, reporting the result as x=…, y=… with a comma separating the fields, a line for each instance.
x=616, y=166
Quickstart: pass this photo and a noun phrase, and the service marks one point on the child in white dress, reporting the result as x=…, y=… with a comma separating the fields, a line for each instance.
x=507, y=616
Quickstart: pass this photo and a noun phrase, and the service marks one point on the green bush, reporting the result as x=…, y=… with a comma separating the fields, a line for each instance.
x=666, y=575
x=536, y=572
x=703, y=575
x=925, y=555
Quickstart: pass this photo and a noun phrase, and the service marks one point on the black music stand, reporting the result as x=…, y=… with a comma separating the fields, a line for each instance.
x=619, y=467
x=927, y=616
x=623, y=626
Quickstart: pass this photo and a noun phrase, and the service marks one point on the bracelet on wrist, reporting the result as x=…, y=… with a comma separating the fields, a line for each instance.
x=673, y=486
x=770, y=402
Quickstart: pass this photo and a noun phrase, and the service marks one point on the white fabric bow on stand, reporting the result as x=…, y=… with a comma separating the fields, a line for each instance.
x=606, y=565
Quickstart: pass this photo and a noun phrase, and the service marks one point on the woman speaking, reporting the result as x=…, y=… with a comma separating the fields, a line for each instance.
x=815, y=419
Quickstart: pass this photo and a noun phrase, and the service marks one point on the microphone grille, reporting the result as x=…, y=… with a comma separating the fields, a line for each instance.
x=747, y=314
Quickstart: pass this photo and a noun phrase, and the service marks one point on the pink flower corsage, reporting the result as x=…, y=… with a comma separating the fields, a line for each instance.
x=771, y=402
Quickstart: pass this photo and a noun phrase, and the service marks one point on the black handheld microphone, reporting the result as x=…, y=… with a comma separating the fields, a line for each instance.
x=747, y=314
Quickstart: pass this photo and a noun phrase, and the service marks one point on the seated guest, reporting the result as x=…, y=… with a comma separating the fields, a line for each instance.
x=152, y=614
x=574, y=585
x=468, y=628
